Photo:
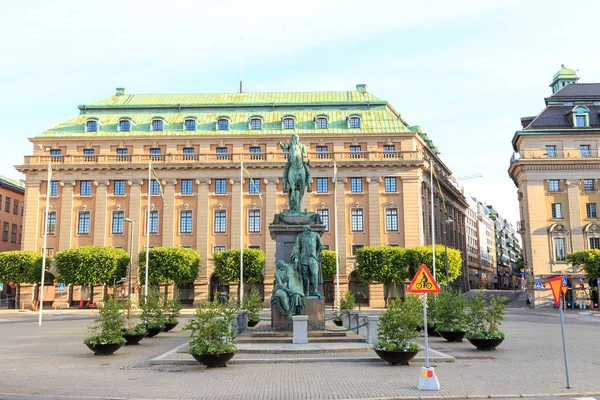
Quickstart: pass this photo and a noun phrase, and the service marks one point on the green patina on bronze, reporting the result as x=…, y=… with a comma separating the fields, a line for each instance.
x=306, y=257
x=288, y=294
x=296, y=174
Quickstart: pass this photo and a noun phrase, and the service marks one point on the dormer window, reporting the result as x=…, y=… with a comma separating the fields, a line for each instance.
x=223, y=124
x=158, y=125
x=190, y=124
x=289, y=123
x=354, y=122
x=581, y=116
x=92, y=125
x=321, y=122
x=125, y=125
x=255, y=124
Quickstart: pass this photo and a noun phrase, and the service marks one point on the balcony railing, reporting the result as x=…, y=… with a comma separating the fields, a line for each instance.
x=554, y=154
x=521, y=226
x=222, y=158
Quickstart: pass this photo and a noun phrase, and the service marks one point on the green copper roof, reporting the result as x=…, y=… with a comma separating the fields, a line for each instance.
x=18, y=186
x=565, y=73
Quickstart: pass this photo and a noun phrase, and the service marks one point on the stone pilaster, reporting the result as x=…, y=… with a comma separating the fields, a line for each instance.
x=31, y=217
x=575, y=216
x=100, y=214
x=340, y=199
x=412, y=218
x=233, y=215
x=202, y=243
x=135, y=213
x=66, y=216
x=376, y=295
x=270, y=207
x=374, y=212
x=169, y=215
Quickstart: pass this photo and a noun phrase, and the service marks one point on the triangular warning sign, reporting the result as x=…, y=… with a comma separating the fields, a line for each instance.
x=555, y=285
x=564, y=290
x=423, y=282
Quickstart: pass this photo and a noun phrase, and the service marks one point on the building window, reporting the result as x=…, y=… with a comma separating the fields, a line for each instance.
x=391, y=219
x=324, y=213
x=355, y=248
x=119, y=188
x=553, y=185
x=220, y=186
x=289, y=123
x=124, y=125
x=185, y=222
x=16, y=207
x=122, y=155
x=56, y=155
x=157, y=125
x=588, y=185
x=356, y=185
x=584, y=150
x=390, y=184
x=188, y=153
x=322, y=185
x=220, y=222
x=190, y=124
x=186, y=186
x=219, y=248
x=13, y=233
x=222, y=153
x=51, y=223
x=92, y=126
x=322, y=152
x=559, y=249
x=557, y=210
x=118, y=222
x=254, y=221
x=389, y=151
x=154, y=188
x=580, y=120
x=83, y=224
x=153, y=222
x=590, y=209
x=5, y=231
x=254, y=186
x=7, y=204
x=595, y=243
x=85, y=188
x=255, y=153
x=321, y=123
x=551, y=151
x=354, y=122
x=88, y=155
x=255, y=124
x=155, y=154
x=54, y=188
x=223, y=124
x=357, y=220
x=355, y=152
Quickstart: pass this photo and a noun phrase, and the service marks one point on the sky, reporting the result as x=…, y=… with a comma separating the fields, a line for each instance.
x=466, y=71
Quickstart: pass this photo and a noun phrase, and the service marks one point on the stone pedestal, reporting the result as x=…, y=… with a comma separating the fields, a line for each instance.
x=300, y=329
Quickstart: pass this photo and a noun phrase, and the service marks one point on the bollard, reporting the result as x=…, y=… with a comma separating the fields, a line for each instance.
x=363, y=330
x=373, y=323
x=300, y=329
x=242, y=320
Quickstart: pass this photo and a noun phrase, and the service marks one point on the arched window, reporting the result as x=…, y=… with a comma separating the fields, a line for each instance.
x=189, y=124
x=354, y=122
x=223, y=123
x=158, y=124
x=558, y=235
x=321, y=122
x=289, y=122
x=359, y=289
x=125, y=125
x=581, y=116
x=92, y=125
x=591, y=232
x=255, y=123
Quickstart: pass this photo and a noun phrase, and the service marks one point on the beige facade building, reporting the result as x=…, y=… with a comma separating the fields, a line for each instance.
x=556, y=169
x=196, y=144
x=11, y=213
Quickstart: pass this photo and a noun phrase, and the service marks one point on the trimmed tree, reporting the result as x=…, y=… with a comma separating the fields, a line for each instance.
x=382, y=264
x=588, y=261
x=91, y=265
x=21, y=267
x=424, y=255
x=178, y=265
x=328, y=264
x=227, y=265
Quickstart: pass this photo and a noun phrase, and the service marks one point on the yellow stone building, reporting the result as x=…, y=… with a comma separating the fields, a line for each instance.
x=196, y=143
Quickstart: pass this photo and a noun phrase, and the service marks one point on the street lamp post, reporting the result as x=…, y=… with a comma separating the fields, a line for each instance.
x=130, y=263
x=446, y=223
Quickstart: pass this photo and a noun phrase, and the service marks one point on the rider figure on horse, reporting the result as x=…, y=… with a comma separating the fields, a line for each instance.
x=293, y=147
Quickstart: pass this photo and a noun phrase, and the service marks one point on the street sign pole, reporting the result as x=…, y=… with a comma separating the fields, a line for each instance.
x=562, y=329
x=60, y=312
x=425, y=328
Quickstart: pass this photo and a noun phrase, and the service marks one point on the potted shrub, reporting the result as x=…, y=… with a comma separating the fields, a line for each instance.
x=484, y=322
x=253, y=304
x=346, y=304
x=133, y=334
x=106, y=333
x=450, y=315
x=398, y=327
x=153, y=313
x=212, y=334
x=172, y=311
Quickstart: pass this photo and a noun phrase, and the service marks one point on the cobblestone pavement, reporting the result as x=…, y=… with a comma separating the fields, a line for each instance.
x=52, y=360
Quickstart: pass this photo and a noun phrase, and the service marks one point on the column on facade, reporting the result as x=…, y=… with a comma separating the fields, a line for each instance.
x=201, y=285
x=376, y=290
x=270, y=245
x=139, y=226
x=412, y=220
x=577, y=240
x=100, y=214
x=169, y=216
x=66, y=216
x=234, y=214
x=342, y=229
x=31, y=216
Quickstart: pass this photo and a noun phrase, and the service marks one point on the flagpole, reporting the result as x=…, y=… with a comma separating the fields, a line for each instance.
x=241, y=232
x=337, y=260
x=148, y=231
x=41, y=302
x=432, y=217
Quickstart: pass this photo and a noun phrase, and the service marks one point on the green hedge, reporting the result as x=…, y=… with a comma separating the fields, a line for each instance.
x=328, y=264
x=227, y=265
x=588, y=261
x=21, y=267
x=91, y=265
x=424, y=255
x=177, y=265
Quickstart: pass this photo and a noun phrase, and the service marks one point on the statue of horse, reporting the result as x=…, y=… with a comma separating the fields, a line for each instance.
x=296, y=174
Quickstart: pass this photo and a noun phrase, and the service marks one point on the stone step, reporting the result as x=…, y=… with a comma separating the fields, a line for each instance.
x=291, y=334
x=356, y=339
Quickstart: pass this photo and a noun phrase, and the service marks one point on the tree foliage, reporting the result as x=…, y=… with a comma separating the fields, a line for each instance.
x=588, y=261
x=177, y=265
x=91, y=265
x=328, y=264
x=399, y=325
x=21, y=267
x=382, y=264
x=227, y=265
x=424, y=255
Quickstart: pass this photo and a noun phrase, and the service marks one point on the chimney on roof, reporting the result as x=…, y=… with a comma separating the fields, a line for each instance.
x=121, y=91
x=361, y=87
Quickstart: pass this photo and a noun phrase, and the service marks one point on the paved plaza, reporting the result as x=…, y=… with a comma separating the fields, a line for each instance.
x=52, y=360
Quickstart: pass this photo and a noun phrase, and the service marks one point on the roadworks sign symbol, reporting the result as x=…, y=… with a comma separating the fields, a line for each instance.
x=423, y=282
x=555, y=285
